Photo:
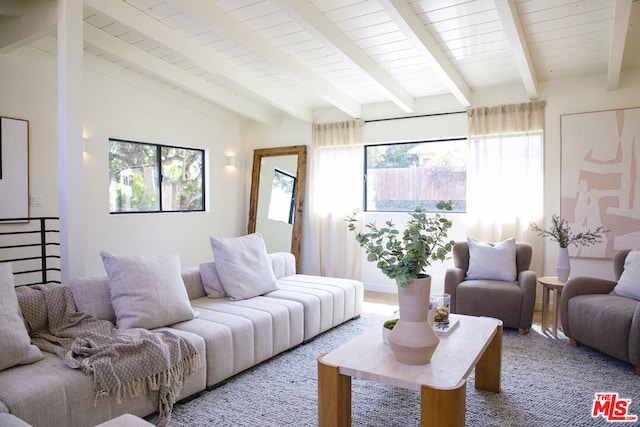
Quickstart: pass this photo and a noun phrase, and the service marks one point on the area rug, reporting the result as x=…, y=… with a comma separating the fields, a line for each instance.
x=545, y=382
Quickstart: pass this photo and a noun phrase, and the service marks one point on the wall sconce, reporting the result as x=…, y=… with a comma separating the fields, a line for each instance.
x=85, y=140
x=231, y=161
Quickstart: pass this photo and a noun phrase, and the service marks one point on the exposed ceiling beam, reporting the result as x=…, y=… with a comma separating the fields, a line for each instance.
x=618, y=39
x=30, y=21
x=510, y=18
x=412, y=27
x=207, y=90
x=201, y=55
x=136, y=80
x=321, y=27
x=221, y=20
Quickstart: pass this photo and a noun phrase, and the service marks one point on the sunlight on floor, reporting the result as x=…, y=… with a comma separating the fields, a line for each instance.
x=377, y=308
x=380, y=303
x=386, y=305
x=537, y=329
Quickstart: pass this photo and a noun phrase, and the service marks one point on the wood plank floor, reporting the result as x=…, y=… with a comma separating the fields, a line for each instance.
x=392, y=299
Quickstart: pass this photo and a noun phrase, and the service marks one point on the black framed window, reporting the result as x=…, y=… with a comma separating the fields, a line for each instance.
x=146, y=177
x=399, y=176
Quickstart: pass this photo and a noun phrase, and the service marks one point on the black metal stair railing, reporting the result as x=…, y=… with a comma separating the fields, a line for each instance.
x=32, y=246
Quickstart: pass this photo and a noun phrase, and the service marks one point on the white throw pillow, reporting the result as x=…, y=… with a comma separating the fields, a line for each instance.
x=147, y=291
x=14, y=339
x=497, y=262
x=629, y=282
x=211, y=281
x=243, y=266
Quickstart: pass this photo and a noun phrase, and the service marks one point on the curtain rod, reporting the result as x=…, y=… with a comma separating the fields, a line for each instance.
x=414, y=117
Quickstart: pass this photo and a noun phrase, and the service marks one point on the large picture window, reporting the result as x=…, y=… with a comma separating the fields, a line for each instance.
x=399, y=176
x=147, y=177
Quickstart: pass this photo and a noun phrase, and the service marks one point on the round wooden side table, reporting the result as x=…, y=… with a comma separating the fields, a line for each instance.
x=551, y=283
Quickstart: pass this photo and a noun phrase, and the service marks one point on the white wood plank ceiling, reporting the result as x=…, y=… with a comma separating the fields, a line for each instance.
x=267, y=58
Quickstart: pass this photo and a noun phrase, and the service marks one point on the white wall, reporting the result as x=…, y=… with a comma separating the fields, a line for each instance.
x=28, y=90
x=120, y=110
x=563, y=97
x=569, y=97
x=114, y=109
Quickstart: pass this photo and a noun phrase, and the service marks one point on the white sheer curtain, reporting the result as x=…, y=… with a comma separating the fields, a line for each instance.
x=505, y=176
x=335, y=183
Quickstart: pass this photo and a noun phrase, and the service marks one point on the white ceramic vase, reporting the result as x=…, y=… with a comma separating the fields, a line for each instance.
x=385, y=335
x=413, y=339
x=563, y=267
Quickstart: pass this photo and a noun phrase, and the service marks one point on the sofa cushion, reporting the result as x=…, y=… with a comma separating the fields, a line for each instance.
x=283, y=264
x=492, y=262
x=14, y=339
x=147, y=291
x=92, y=296
x=327, y=301
x=49, y=393
x=211, y=280
x=243, y=266
x=125, y=420
x=193, y=282
x=629, y=283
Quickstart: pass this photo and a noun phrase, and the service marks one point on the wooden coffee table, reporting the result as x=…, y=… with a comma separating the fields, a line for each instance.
x=476, y=342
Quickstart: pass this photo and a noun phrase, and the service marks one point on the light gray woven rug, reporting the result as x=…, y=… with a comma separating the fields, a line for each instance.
x=545, y=382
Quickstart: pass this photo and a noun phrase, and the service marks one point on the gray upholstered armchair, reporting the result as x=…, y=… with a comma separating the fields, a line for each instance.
x=605, y=322
x=511, y=302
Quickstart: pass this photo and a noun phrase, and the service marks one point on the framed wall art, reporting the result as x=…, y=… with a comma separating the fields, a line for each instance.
x=14, y=168
x=600, y=178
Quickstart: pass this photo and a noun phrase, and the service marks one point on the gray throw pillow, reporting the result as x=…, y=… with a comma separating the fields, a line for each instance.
x=243, y=266
x=147, y=291
x=211, y=281
x=492, y=262
x=629, y=283
x=14, y=339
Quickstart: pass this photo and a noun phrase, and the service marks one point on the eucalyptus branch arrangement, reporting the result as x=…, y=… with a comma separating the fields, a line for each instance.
x=561, y=232
x=403, y=256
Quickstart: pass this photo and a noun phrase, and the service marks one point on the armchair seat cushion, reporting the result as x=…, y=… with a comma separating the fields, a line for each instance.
x=605, y=322
x=595, y=316
x=492, y=298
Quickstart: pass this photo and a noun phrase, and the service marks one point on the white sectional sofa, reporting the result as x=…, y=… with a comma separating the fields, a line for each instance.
x=230, y=336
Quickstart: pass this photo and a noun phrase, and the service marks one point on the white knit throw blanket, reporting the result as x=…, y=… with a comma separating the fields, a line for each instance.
x=124, y=363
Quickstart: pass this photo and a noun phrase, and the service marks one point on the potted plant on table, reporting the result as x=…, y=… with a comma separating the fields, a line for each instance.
x=387, y=327
x=561, y=232
x=403, y=256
